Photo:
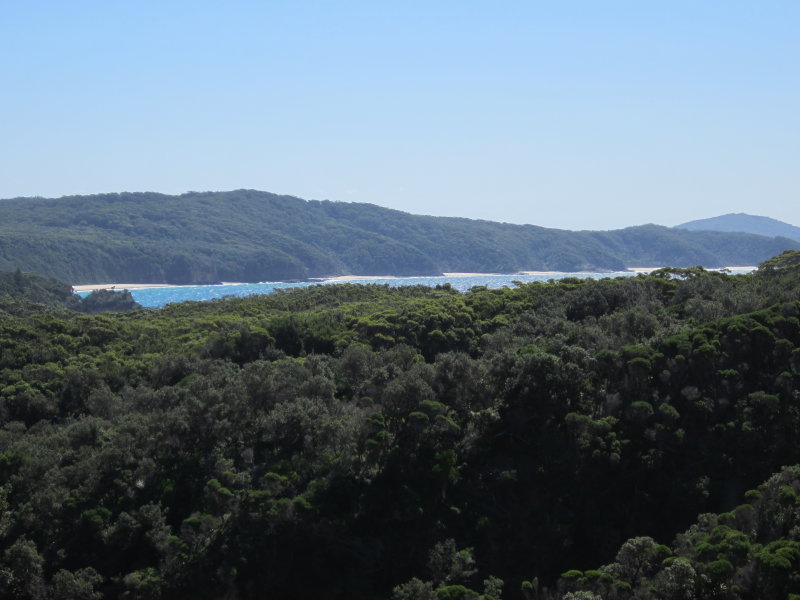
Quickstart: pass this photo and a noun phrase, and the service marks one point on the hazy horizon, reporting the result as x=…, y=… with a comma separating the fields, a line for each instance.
x=574, y=116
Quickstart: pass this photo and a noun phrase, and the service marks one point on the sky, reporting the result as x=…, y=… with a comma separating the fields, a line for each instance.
x=587, y=114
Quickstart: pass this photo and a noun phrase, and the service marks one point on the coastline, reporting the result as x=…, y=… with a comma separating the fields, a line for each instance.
x=344, y=278
x=90, y=287
x=730, y=268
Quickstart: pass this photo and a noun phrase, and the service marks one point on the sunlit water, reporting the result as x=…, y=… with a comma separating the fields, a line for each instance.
x=157, y=297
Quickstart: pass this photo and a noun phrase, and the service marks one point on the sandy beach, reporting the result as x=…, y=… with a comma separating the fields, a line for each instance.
x=354, y=277
x=468, y=274
x=741, y=268
x=90, y=287
x=649, y=269
x=540, y=273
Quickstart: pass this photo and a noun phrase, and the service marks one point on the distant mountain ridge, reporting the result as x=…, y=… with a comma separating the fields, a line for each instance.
x=248, y=235
x=744, y=223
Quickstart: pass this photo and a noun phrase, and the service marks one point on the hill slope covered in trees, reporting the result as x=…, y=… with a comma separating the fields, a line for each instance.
x=744, y=223
x=256, y=236
x=366, y=442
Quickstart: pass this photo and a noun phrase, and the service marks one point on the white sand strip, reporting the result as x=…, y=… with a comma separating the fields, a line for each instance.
x=643, y=269
x=469, y=274
x=356, y=277
x=90, y=287
x=541, y=273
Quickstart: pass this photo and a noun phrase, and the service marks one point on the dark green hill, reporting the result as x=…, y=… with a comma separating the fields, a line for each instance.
x=745, y=223
x=256, y=236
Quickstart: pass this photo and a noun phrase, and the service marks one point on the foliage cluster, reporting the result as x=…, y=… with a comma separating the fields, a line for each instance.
x=366, y=442
x=30, y=293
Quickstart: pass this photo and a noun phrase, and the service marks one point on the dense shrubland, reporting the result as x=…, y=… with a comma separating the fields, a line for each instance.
x=622, y=438
x=28, y=293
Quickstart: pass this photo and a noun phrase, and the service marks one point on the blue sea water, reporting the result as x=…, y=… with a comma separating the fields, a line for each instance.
x=158, y=297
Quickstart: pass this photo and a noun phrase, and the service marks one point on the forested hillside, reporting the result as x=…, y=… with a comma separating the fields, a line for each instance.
x=744, y=223
x=363, y=442
x=256, y=236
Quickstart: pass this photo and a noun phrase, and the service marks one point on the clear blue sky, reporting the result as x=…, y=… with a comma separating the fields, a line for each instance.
x=571, y=114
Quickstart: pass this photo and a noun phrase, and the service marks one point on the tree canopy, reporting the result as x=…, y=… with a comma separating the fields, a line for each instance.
x=616, y=438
